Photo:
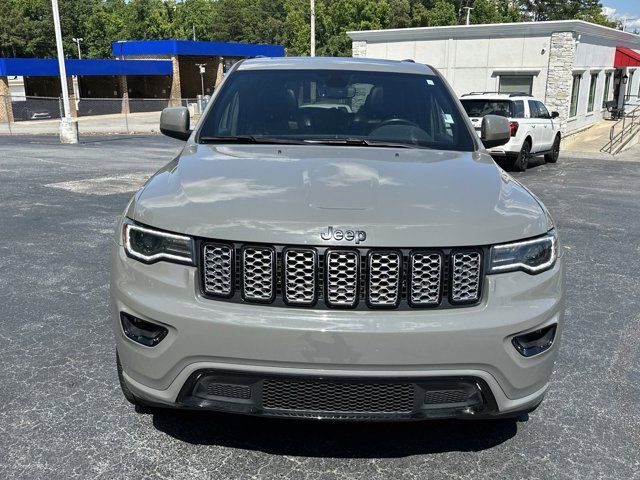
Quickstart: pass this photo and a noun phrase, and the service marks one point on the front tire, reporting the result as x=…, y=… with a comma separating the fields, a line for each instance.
x=521, y=162
x=555, y=152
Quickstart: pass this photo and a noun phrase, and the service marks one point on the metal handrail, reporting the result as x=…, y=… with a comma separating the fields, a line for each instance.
x=629, y=122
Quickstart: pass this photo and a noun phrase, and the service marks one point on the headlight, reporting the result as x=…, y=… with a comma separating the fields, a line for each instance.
x=150, y=245
x=531, y=256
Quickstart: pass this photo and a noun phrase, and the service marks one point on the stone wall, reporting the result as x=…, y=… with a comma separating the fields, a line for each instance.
x=358, y=49
x=559, y=79
x=6, y=110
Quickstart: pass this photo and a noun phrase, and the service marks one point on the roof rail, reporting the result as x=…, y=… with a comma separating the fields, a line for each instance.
x=510, y=94
x=477, y=93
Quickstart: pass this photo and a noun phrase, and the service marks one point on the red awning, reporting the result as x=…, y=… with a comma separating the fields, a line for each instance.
x=625, y=57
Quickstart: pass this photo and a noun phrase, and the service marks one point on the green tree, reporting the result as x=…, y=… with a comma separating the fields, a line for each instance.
x=106, y=24
x=589, y=10
x=443, y=12
x=197, y=17
x=400, y=14
x=149, y=19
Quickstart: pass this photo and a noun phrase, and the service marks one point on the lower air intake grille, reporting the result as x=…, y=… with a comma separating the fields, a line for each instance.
x=229, y=390
x=439, y=397
x=316, y=396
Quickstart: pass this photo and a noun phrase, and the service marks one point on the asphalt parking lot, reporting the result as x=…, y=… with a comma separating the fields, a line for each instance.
x=62, y=414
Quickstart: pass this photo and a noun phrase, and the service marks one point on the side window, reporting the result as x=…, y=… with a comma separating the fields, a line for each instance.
x=517, y=109
x=542, y=111
x=533, y=109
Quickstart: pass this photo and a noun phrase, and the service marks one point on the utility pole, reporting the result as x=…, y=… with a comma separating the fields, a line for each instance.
x=68, y=126
x=193, y=25
x=78, y=40
x=313, y=28
x=468, y=9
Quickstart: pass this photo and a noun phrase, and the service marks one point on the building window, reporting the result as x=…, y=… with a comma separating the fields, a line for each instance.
x=607, y=87
x=575, y=93
x=516, y=84
x=592, y=91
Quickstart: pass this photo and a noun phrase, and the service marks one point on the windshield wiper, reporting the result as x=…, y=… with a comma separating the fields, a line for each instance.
x=248, y=139
x=358, y=142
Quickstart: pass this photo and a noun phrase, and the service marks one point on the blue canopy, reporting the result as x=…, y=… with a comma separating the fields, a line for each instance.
x=48, y=67
x=189, y=47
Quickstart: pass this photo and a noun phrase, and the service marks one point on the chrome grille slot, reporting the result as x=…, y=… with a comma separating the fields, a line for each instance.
x=258, y=274
x=425, y=277
x=383, y=273
x=342, y=278
x=326, y=277
x=465, y=277
x=299, y=267
x=218, y=276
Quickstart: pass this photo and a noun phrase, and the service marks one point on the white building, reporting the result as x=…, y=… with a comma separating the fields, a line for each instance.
x=573, y=66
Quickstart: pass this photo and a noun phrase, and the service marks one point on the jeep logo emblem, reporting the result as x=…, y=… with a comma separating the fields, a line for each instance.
x=356, y=236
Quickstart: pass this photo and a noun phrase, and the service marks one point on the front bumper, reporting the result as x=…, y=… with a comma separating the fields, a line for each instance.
x=255, y=343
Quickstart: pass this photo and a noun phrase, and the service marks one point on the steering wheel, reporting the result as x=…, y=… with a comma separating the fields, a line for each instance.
x=397, y=121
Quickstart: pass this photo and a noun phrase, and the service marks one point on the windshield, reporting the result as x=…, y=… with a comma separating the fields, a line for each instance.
x=337, y=107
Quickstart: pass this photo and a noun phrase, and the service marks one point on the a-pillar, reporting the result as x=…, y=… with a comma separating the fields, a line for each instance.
x=219, y=70
x=6, y=110
x=175, y=96
x=124, y=91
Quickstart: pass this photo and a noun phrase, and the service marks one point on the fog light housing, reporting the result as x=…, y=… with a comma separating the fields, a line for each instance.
x=140, y=331
x=533, y=343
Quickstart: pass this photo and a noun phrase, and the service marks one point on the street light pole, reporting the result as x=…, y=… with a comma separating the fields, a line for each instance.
x=313, y=28
x=468, y=9
x=68, y=127
x=202, y=70
x=78, y=40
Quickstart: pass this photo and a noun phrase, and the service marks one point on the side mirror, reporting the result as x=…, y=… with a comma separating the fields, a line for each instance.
x=174, y=122
x=555, y=114
x=495, y=131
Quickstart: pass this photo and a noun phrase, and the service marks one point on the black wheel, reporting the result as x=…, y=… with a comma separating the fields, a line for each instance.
x=131, y=398
x=555, y=152
x=521, y=162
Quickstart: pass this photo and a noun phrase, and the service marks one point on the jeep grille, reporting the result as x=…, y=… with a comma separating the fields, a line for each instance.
x=325, y=277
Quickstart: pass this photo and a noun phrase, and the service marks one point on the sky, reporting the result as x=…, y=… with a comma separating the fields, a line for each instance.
x=629, y=9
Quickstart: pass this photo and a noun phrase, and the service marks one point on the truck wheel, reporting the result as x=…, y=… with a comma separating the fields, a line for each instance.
x=521, y=162
x=555, y=152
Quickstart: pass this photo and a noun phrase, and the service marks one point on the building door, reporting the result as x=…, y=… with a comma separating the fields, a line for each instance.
x=618, y=93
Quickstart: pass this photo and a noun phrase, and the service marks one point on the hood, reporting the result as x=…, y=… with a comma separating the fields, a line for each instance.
x=291, y=194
